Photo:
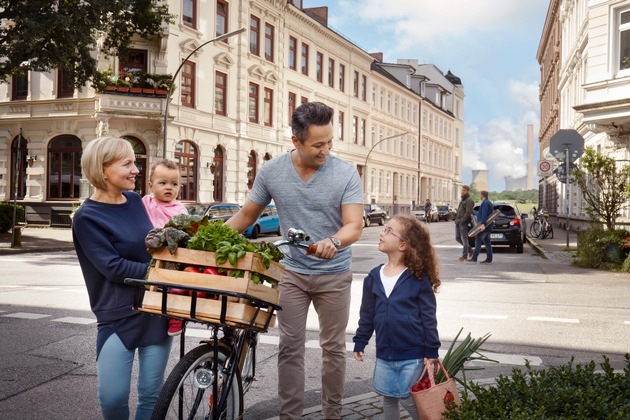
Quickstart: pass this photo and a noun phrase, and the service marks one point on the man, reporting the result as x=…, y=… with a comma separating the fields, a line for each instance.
x=485, y=210
x=320, y=194
x=427, y=211
x=462, y=222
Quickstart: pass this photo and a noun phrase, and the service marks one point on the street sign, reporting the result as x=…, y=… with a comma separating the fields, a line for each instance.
x=546, y=154
x=566, y=139
x=561, y=172
x=545, y=168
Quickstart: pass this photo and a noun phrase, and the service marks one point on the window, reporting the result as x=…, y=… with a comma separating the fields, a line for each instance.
x=189, y=13
x=362, y=133
x=21, y=167
x=65, y=84
x=303, y=100
x=222, y=19
x=340, y=130
x=141, y=163
x=19, y=87
x=220, y=93
x=305, y=59
x=269, y=40
x=292, y=53
x=292, y=104
x=319, y=62
x=331, y=72
x=186, y=156
x=217, y=182
x=624, y=40
x=355, y=84
x=342, y=77
x=188, y=84
x=134, y=62
x=253, y=102
x=251, y=169
x=254, y=35
x=64, y=167
x=363, y=86
x=268, y=107
x=355, y=130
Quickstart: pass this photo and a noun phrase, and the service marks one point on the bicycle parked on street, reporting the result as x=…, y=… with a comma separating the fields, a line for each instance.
x=210, y=380
x=541, y=227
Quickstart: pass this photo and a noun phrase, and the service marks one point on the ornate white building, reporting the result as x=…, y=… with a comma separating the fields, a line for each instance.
x=230, y=111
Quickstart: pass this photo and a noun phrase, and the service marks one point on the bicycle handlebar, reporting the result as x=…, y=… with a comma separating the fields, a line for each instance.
x=296, y=237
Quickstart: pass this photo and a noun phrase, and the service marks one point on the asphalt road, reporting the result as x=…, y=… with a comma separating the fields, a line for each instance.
x=535, y=309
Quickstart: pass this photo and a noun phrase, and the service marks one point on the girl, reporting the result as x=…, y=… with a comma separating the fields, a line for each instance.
x=399, y=304
x=164, y=183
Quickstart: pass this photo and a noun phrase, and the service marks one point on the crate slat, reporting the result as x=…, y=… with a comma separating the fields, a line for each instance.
x=238, y=314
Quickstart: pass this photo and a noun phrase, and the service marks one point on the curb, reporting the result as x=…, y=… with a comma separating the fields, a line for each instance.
x=19, y=250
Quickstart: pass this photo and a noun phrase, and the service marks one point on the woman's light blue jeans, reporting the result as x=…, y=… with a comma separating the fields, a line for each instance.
x=114, y=366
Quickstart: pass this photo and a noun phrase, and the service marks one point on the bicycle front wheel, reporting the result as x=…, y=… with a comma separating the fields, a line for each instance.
x=188, y=391
x=535, y=229
x=549, y=231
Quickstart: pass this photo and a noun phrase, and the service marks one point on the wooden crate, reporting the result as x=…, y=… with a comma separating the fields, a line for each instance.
x=209, y=310
x=251, y=263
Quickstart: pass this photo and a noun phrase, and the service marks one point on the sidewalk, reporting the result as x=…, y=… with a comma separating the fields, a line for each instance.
x=365, y=406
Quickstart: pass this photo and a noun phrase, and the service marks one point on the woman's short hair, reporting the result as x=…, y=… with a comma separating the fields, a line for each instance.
x=99, y=154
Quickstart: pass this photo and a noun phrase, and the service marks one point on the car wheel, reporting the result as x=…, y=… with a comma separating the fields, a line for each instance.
x=519, y=248
x=381, y=221
x=366, y=222
x=255, y=232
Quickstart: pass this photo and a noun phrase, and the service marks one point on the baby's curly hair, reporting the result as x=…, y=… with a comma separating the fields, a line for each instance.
x=420, y=255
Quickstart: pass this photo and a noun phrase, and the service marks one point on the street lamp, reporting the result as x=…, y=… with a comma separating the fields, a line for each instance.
x=370, y=152
x=168, y=95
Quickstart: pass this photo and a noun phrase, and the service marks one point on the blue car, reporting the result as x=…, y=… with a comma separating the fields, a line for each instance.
x=268, y=222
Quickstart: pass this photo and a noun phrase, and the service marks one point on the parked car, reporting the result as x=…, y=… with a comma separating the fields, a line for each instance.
x=221, y=211
x=268, y=222
x=446, y=213
x=373, y=214
x=509, y=228
x=418, y=212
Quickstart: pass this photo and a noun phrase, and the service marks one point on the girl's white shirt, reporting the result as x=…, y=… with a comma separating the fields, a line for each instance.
x=389, y=281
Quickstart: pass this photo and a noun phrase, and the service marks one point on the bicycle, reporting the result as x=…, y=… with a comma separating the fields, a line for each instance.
x=541, y=227
x=209, y=381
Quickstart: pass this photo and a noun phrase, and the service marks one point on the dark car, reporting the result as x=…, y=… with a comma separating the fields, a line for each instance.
x=509, y=227
x=373, y=214
x=221, y=211
x=446, y=213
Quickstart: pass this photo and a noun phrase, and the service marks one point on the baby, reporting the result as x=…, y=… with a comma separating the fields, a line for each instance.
x=162, y=204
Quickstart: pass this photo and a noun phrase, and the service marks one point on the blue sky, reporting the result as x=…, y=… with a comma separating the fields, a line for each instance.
x=490, y=44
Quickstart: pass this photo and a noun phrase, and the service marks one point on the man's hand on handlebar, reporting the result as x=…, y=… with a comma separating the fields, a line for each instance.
x=325, y=249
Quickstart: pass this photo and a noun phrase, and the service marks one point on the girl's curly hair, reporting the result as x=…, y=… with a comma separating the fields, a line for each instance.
x=420, y=255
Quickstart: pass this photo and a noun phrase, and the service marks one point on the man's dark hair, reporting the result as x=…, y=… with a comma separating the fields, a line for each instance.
x=307, y=114
x=484, y=193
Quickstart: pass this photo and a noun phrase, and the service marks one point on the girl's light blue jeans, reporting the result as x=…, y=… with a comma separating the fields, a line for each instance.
x=114, y=366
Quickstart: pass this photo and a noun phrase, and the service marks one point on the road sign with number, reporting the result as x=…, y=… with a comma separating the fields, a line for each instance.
x=545, y=168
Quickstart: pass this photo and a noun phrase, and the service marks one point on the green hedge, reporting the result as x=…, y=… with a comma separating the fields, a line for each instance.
x=564, y=392
x=6, y=216
x=605, y=249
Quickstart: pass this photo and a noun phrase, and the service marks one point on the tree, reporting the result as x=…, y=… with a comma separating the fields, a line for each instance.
x=42, y=35
x=604, y=186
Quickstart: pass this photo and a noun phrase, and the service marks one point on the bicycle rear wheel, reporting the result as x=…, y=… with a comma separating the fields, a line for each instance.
x=535, y=229
x=549, y=231
x=187, y=393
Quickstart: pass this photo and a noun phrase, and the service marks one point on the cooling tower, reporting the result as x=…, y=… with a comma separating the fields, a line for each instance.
x=480, y=179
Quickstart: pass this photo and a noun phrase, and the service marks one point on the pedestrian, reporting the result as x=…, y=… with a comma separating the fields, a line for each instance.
x=399, y=304
x=463, y=222
x=320, y=194
x=485, y=210
x=162, y=204
x=108, y=232
x=427, y=211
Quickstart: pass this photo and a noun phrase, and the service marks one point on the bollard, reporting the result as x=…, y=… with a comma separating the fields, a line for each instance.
x=16, y=239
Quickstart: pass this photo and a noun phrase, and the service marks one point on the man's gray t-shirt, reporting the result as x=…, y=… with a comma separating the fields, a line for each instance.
x=313, y=206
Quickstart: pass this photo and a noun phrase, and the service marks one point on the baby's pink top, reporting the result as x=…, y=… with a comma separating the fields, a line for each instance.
x=161, y=212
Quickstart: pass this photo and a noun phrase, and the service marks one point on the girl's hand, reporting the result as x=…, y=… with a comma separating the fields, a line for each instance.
x=358, y=355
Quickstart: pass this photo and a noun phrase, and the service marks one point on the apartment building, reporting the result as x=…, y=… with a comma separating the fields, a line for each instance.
x=592, y=86
x=229, y=111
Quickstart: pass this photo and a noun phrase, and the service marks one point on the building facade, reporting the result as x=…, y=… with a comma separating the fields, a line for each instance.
x=229, y=111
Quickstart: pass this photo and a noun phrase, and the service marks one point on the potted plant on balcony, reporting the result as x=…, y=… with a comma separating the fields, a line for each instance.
x=160, y=82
